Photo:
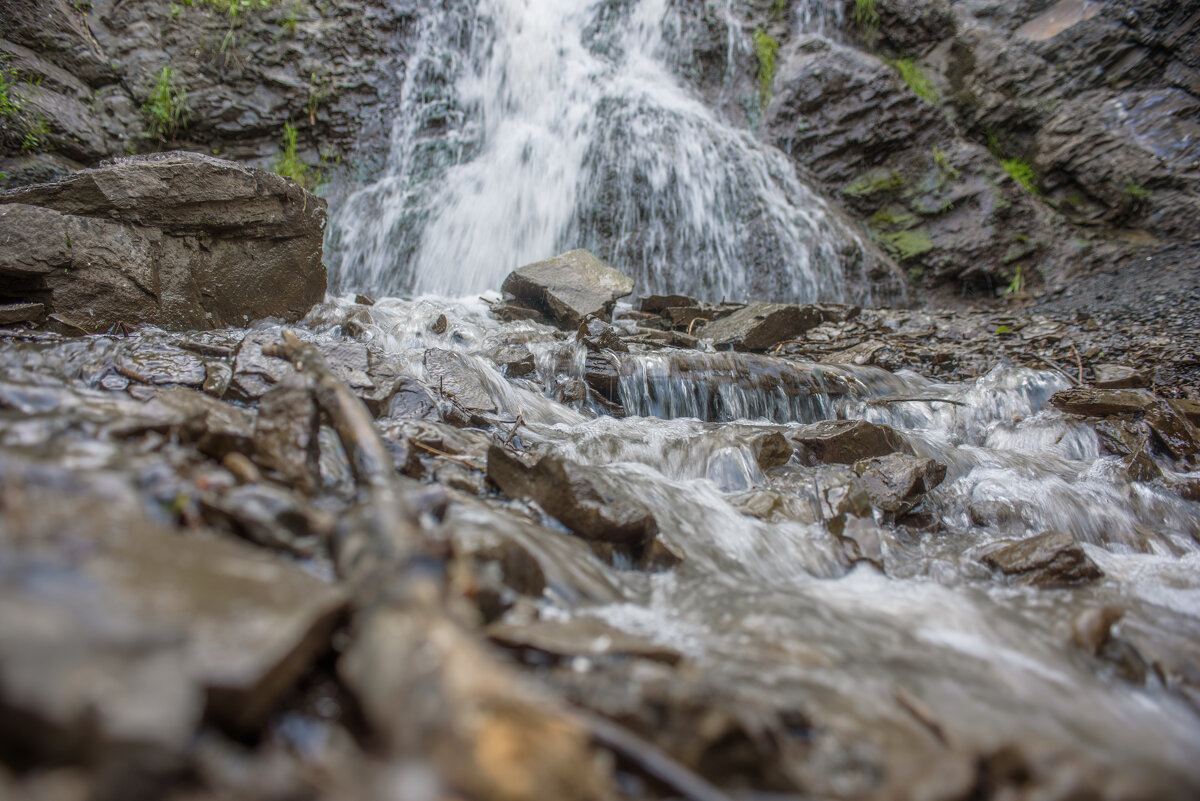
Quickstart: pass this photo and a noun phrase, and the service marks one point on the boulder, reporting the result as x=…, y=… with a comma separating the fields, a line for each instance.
x=760, y=326
x=455, y=378
x=178, y=240
x=567, y=288
x=1049, y=559
x=849, y=441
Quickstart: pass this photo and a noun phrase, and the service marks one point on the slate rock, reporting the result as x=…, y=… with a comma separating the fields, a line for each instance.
x=287, y=431
x=848, y=441
x=760, y=326
x=455, y=378
x=1118, y=376
x=1093, y=402
x=179, y=240
x=569, y=287
x=897, y=481
x=1049, y=559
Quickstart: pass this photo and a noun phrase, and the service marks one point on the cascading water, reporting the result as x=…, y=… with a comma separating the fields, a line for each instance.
x=527, y=129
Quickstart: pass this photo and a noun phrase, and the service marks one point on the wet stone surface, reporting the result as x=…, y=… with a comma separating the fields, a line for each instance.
x=521, y=577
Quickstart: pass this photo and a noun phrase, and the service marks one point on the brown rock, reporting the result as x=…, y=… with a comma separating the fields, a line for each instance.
x=588, y=637
x=1101, y=402
x=1049, y=559
x=179, y=240
x=896, y=481
x=286, y=433
x=1118, y=376
x=660, y=303
x=20, y=312
x=454, y=378
x=1178, y=436
x=760, y=326
x=848, y=441
x=567, y=288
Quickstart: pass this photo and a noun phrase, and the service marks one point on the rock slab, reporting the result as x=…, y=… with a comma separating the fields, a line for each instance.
x=760, y=326
x=569, y=287
x=1050, y=559
x=177, y=240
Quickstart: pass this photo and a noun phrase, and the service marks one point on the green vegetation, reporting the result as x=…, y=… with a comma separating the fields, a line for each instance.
x=166, y=109
x=905, y=245
x=1022, y=172
x=1017, y=284
x=874, y=182
x=866, y=16
x=766, y=47
x=916, y=79
x=318, y=89
x=942, y=162
x=289, y=165
x=1136, y=191
x=35, y=136
x=10, y=100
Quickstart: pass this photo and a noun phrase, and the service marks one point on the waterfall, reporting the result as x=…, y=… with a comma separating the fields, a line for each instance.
x=531, y=127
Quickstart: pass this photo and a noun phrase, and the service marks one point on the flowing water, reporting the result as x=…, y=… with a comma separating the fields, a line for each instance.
x=530, y=128
x=770, y=607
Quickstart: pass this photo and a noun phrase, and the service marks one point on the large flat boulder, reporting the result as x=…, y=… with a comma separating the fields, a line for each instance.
x=179, y=240
x=760, y=326
x=567, y=288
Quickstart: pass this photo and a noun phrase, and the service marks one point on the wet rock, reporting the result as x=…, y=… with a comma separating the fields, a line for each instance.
x=177, y=240
x=1122, y=435
x=1177, y=435
x=849, y=441
x=271, y=517
x=159, y=363
x=286, y=434
x=364, y=300
x=1101, y=402
x=455, y=378
x=771, y=449
x=1091, y=628
x=581, y=636
x=588, y=500
x=597, y=335
x=439, y=325
x=20, y=312
x=215, y=427
x=512, y=311
x=658, y=304
x=253, y=371
x=1049, y=559
x=217, y=378
x=1188, y=408
x=515, y=359
x=165, y=625
x=897, y=481
x=1139, y=466
x=760, y=326
x=411, y=401
x=567, y=288
x=1118, y=376
x=602, y=373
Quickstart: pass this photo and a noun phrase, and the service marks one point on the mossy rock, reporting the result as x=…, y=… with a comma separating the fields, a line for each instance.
x=905, y=245
x=875, y=182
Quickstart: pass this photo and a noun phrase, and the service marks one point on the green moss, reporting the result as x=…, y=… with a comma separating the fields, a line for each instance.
x=866, y=17
x=1022, y=172
x=166, y=109
x=905, y=245
x=942, y=162
x=892, y=218
x=916, y=79
x=766, y=47
x=10, y=99
x=1136, y=191
x=35, y=136
x=875, y=182
x=289, y=165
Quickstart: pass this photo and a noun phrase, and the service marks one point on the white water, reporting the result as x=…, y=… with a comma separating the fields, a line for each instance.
x=530, y=128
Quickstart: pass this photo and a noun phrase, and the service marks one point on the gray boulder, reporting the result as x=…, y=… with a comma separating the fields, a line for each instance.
x=178, y=240
x=567, y=288
x=1050, y=559
x=849, y=441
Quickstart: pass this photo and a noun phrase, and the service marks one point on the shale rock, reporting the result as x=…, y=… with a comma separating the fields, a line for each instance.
x=567, y=288
x=1050, y=559
x=760, y=326
x=897, y=481
x=1118, y=376
x=849, y=441
x=455, y=379
x=586, y=637
x=286, y=433
x=1101, y=402
x=177, y=240
x=587, y=500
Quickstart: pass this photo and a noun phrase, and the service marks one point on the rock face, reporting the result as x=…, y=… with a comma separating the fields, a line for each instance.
x=176, y=240
x=1050, y=559
x=760, y=326
x=567, y=288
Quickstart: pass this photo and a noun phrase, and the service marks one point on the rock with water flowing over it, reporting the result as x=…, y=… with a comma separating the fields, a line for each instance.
x=1092, y=402
x=1049, y=559
x=178, y=240
x=568, y=288
x=760, y=326
x=580, y=637
x=1118, y=376
x=588, y=500
x=848, y=441
x=455, y=378
x=897, y=481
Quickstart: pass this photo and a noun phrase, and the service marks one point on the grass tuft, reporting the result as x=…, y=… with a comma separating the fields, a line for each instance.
x=766, y=47
x=916, y=79
x=166, y=109
x=1022, y=172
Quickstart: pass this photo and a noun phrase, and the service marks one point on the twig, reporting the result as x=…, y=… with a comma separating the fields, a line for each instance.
x=692, y=324
x=873, y=401
x=1078, y=361
x=1053, y=365
x=651, y=759
x=450, y=456
x=520, y=422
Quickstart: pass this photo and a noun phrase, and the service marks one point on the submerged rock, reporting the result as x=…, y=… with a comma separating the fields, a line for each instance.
x=760, y=326
x=1049, y=559
x=567, y=288
x=178, y=240
x=455, y=378
x=897, y=481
